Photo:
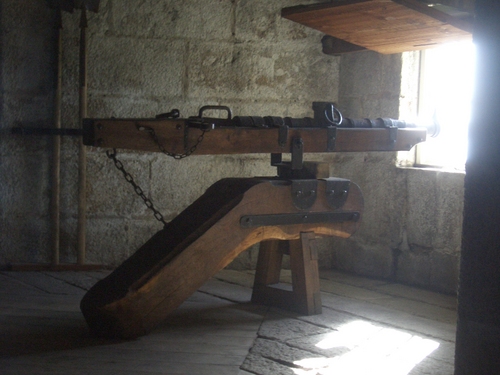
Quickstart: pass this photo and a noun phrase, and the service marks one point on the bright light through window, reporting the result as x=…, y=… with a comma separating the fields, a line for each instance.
x=373, y=350
x=446, y=86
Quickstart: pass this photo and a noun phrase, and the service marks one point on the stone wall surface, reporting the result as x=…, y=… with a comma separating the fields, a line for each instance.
x=143, y=59
x=412, y=224
x=26, y=97
x=148, y=57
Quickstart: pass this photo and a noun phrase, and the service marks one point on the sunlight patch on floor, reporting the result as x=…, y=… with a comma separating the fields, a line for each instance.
x=373, y=350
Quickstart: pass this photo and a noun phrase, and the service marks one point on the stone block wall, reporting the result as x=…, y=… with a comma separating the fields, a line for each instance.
x=143, y=59
x=412, y=225
x=149, y=57
x=27, y=75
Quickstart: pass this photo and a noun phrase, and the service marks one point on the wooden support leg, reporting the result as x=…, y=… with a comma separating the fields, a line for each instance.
x=268, y=263
x=305, y=274
x=304, y=297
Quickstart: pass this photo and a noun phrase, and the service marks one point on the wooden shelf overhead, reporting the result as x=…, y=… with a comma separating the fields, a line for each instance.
x=385, y=26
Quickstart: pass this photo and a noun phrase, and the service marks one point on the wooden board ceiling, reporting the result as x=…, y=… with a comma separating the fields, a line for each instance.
x=385, y=26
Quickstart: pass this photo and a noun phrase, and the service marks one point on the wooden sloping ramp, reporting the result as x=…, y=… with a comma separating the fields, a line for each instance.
x=201, y=241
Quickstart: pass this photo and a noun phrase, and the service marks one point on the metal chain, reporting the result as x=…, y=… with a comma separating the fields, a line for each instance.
x=149, y=204
x=192, y=149
x=128, y=177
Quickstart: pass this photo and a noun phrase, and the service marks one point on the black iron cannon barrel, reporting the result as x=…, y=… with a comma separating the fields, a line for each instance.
x=376, y=123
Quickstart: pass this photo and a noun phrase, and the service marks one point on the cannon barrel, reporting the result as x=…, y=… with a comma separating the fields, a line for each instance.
x=325, y=115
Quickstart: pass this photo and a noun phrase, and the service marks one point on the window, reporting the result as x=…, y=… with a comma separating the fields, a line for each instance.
x=445, y=96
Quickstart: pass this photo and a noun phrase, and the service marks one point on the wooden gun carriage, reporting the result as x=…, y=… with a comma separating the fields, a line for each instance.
x=284, y=213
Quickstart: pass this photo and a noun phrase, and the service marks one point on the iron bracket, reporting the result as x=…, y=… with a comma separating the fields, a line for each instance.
x=249, y=221
x=304, y=193
x=297, y=153
x=282, y=135
x=337, y=190
x=331, y=138
x=393, y=134
x=186, y=137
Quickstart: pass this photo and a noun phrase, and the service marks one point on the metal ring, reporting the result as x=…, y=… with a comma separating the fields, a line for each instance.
x=333, y=115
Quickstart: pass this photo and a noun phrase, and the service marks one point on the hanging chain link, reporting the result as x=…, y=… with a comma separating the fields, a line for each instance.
x=162, y=148
x=149, y=204
x=128, y=177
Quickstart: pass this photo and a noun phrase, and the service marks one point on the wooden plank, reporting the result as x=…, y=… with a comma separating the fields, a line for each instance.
x=8, y=284
x=124, y=134
x=83, y=280
x=45, y=283
x=17, y=267
x=384, y=26
x=305, y=274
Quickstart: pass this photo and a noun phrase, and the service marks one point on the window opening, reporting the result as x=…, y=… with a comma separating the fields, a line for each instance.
x=445, y=96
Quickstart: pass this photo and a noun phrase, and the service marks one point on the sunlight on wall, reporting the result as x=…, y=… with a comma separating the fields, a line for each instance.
x=446, y=87
x=374, y=350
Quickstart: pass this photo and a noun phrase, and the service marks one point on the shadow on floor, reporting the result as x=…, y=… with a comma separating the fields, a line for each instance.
x=24, y=335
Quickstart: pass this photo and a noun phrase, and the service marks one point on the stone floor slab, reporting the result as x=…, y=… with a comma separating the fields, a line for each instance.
x=218, y=331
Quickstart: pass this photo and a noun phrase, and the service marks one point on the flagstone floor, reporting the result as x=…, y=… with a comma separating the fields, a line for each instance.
x=367, y=327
